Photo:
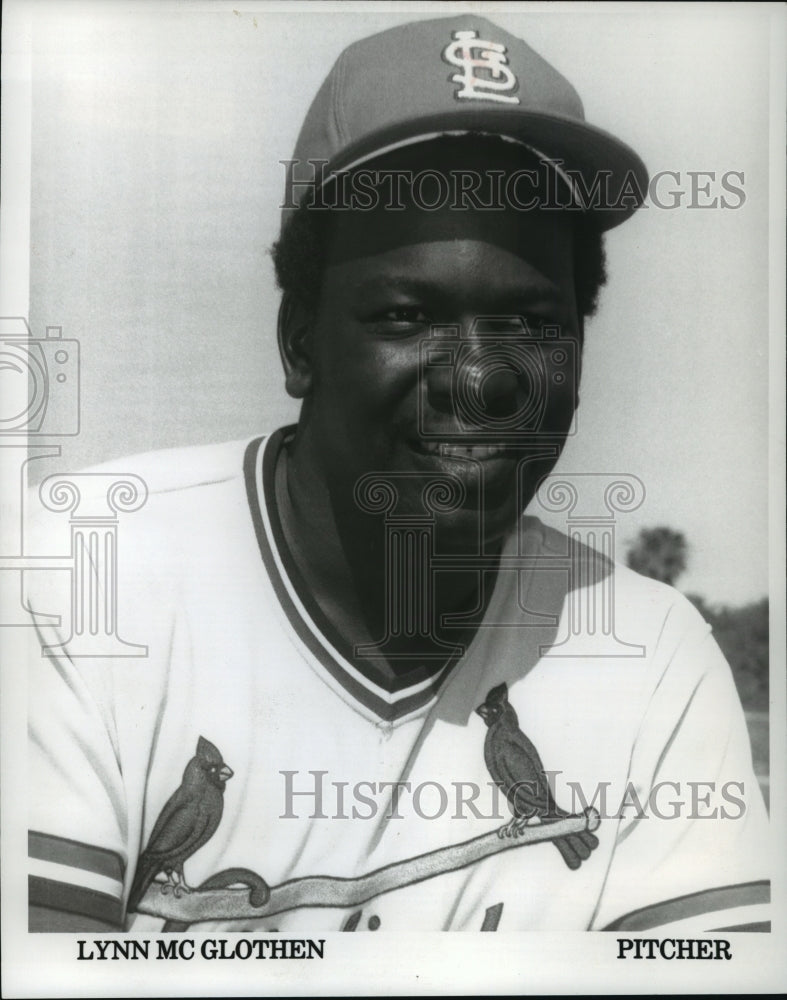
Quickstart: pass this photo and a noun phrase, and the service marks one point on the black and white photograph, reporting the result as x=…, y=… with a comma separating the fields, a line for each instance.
x=392, y=464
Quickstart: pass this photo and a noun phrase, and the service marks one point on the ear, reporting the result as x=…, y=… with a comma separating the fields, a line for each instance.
x=295, y=336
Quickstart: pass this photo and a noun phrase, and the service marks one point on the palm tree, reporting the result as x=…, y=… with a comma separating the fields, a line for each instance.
x=659, y=553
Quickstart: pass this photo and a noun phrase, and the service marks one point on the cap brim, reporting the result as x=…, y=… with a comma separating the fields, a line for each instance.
x=611, y=179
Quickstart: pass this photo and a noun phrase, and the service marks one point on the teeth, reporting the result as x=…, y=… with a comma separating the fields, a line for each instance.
x=479, y=451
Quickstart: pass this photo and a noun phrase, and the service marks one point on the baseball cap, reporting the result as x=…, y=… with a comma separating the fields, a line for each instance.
x=455, y=75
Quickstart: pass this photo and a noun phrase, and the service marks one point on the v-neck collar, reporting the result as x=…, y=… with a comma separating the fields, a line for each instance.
x=387, y=697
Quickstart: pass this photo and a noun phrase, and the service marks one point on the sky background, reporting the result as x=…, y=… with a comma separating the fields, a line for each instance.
x=157, y=134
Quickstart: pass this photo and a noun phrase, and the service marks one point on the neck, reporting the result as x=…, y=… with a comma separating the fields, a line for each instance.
x=345, y=569
x=310, y=529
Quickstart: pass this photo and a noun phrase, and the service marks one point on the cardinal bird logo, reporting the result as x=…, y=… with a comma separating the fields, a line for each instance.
x=188, y=820
x=514, y=765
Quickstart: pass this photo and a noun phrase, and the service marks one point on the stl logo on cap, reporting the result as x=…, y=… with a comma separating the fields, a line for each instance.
x=470, y=53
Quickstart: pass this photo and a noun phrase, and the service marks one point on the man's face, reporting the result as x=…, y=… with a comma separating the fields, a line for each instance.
x=494, y=414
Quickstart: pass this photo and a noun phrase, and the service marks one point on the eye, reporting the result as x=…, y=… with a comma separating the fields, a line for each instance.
x=400, y=320
x=406, y=314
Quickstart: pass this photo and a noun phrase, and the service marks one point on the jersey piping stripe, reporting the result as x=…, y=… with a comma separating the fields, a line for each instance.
x=709, y=901
x=74, y=854
x=259, y=467
x=74, y=899
x=760, y=927
x=75, y=876
x=712, y=920
x=391, y=688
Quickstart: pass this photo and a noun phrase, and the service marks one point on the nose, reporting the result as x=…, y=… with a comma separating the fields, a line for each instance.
x=478, y=385
x=495, y=389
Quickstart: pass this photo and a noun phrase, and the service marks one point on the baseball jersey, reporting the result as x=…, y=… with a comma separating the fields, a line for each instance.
x=360, y=799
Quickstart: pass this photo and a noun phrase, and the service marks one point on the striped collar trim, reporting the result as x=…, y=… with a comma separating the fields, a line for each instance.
x=390, y=699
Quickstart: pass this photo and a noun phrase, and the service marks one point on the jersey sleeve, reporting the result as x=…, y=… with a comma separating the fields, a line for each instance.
x=77, y=853
x=693, y=842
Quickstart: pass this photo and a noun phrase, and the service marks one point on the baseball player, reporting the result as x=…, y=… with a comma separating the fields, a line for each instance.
x=376, y=694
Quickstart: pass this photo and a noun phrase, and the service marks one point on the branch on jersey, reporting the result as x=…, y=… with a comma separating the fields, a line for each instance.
x=213, y=903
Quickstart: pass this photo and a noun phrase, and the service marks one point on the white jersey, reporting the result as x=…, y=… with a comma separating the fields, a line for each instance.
x=359, y=801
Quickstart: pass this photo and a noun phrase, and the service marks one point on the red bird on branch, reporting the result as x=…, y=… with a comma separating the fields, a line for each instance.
x=515, y=766
x=188, y=820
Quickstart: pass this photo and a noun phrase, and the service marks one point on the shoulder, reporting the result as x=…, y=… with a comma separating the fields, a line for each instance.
x=173, y=470
x=149, y=485
x=165, y=509
x=633, y=607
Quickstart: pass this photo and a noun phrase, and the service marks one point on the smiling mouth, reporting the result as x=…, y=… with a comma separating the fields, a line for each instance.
x=447, y=449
